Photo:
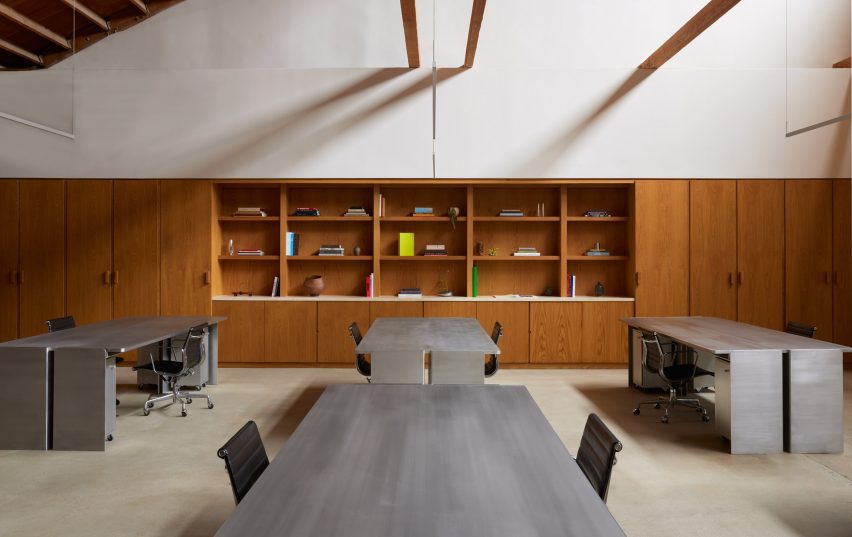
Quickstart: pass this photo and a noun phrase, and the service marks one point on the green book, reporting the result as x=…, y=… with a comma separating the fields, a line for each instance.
x=406, y=244
x=474, y=281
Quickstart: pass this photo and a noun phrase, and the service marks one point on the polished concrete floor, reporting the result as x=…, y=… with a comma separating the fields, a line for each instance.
x=161, y=476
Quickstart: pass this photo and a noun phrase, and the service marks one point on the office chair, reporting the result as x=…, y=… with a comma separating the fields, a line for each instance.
x=677, y=368
x=245, y=459
x=596, y=454
x=362, y=365
x=800, y=329
x=493, y=364
x=171, y=371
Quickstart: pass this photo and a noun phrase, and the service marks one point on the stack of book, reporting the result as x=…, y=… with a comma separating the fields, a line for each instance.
x=291, y=244
x=356, y=211
x=526, y=251
x=597, y=251
x=250, y=252
x=511, y=212
x=250, y=211
x=371, y=286
x=331, y=249
x=572, y=285
x=410, y=292
x=596, y=214
x=435, y=250
x=306, y=211
x=423, y=211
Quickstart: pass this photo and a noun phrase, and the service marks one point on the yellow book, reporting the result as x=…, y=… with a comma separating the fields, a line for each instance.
x=406, y=244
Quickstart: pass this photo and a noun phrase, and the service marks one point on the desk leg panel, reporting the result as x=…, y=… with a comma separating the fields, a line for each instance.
x=450, y=367
x=756, y=402
x=213, y=353
x=80, y=399
x=814, y=421
x=24, y=398
x=397, y=367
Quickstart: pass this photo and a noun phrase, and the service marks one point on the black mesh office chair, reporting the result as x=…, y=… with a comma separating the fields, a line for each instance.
x=800, y=329
x=596, y=454
x=676, y=367
x=362, y=365
x=245, y=459
x=493, y=363
x=171, y=371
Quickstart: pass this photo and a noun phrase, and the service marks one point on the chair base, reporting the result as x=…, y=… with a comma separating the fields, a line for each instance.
x=670, y=402
x=176, y=395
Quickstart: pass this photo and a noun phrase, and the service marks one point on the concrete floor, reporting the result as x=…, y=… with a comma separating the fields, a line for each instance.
x=161, y=476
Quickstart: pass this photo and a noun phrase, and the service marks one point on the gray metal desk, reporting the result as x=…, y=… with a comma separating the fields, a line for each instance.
x=50, y=395
x=774, y=391
x=398, y=346
x=422, y=461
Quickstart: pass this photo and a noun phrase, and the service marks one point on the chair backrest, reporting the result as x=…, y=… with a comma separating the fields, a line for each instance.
x=596, y=455
x=362, y=365
x=245, y=458
x=493, y=363
x=653, y=357
x=355, y=332
x=800, y=329
x=193, y=347
x=497, y=333
x=60, y=323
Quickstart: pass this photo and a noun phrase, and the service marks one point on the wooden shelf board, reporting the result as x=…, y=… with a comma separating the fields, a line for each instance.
x=516, y=258
x=329, y=258
x=329, y=218
x=249, y=257
x=516, y=219
x=597, y=258
x=249, y=219
x=598, y=218
x=423, y=258
x=420, y=219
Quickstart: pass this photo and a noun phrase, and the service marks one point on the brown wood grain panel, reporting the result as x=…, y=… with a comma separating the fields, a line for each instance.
x=88, y=232
x=291, y=331
x=662, y=247
x=604, y=335
x=808, y=242
x=760, y=253
x=334, y=344
x=8, y=259
x=843, y=263
x=42, y=258
x=713, y=248
x=395, y=309
x=242, y=337
x=185, y=261
x=449, y=309
x=515, y=318
x=136, y=248
x=555, y=332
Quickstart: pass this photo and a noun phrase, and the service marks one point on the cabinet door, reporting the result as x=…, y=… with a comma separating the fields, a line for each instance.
x=713, y=248
x=515, y=318
x=604, y=338
x=88, y=232
x=556, y=330
x=662, y=247
x=242, y=336
x=42, y=247
x=291, y=331
x=136, y=248
x=334, y=344
x=395, y=309
x=808, y=226
x=843, y=263
x=449, y=309
x=8, y=259
x=186, y=228
x=760, y=253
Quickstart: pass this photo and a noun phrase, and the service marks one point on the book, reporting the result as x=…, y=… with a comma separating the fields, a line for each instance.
x=331, y=249
x=406, y=244
x=306, y=211
x=250, y=252
x=249, y=211
x=423, y=210
x=596, y=214
x=410, y=292
x=276, y=286
x=291, y=245
x=356, y=211
x=572, y=285
x=510, y=212
x=422, y=214
x=435, y=249
x=526, y=251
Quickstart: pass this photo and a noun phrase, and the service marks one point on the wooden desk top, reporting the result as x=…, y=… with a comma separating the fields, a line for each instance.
x=427, y=334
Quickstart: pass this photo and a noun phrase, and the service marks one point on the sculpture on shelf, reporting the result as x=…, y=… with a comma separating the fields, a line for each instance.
x=599, y=289
x=493, y=251
x=314, y=285
x=356, y=250
x=453, y=213
x=480, y=248
x=442, y=288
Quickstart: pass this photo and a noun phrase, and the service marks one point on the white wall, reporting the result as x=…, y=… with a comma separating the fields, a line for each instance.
x=287, y=88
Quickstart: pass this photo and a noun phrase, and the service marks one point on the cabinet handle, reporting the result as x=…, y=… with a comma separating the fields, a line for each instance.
x=825, y=277
x=730, y=279
x=836, y=278
x=739, y=278
x=106, y=277
x=115, y=277
x=207, y=277
x=637, y=279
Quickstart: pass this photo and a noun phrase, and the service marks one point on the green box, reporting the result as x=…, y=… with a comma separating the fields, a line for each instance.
x=406, y=244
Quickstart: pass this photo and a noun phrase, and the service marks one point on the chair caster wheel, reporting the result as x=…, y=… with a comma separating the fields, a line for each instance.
x=197, y=387
x=145, y=411
x=140, y=386
x=635, y=411
x=203, y=384
x=705, y=418
x=183, y=413
x=189, y=401
x=664, y=419
x=657, y=406
x=109, y=438
x=209, y=405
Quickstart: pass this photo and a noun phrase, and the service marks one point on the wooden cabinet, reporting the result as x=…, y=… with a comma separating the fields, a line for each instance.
x=555, y=332
x=842, y=276
x=291, y=331
x=395, y=309
x=186, y=236
x=136, y=248
x=808, y=232
x=449, y=309
x=42, y=254
x=662, y=247
x=604, y=336
x=334, y=344
x=713, y=248
x=515, y=318
x=8, y=260
x=242, y=335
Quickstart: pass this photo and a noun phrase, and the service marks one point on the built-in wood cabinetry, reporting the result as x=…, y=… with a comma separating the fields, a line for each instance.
x=413, y=308
x=242, y=338
x=334, y=343
x=713, y=249
x=515, y=318
x=842, y=277
x=8, y=260
x=579, y=332
x=136, y=247
x=291, y=330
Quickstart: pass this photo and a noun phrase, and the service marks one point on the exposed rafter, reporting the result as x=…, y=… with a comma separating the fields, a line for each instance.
x=18, y=51
x=843, y=63
x=705, y=18
x=140, y=5
x=33, y=26
x=409, y=24
x=473, y=33
x=88, y=13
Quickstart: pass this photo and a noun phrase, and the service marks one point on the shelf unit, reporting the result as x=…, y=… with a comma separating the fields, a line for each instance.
x=561, y=234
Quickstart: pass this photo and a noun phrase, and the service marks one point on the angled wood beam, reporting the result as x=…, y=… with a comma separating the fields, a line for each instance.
x=705, y=18
x=409, y=24
x=88, y=13
x=843, y=63
x=33, y=26
x=18, y=51
x=473, y=33
x=140, y=5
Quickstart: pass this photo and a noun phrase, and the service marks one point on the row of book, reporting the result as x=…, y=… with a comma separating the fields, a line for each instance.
x=291, y=244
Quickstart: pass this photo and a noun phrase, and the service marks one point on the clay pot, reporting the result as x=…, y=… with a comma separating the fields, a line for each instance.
x=314, y=285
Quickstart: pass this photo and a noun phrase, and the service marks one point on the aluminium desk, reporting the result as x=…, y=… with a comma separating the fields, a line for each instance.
x=774, y=391
x=398, y=345
x=422, y=461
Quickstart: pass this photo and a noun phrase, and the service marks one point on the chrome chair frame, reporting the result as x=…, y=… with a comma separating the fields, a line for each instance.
x=362, y=365
x=493, y=363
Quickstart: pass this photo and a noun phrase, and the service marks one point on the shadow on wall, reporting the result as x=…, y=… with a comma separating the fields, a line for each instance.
x=291, y=138
x=837, y=162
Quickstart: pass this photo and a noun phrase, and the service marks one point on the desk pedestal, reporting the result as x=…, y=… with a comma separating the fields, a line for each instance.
x=397, y=367
x=814, y=402
x=83, y=399
x=24, y=397
x=447, y=367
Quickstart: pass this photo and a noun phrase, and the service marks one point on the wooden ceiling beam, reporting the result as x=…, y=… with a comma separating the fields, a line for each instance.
x=140, y=5
x=18, y=51
x=473, y=32
x=88, y=13
x=409, y=24
x=31, y=25
x=705, y=18
x=843, y=63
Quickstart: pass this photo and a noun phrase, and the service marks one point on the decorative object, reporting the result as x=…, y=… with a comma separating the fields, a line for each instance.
x=480, y=248
x=406, y=244
x=314, y=285
x=231, y=247
x=493, y=251
x=442, y=288
x=453, y=213
x=475, y=281
x=597, y=250
x=356, y=250
x=599, y=289
x=539, y=209
x=548, y=291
